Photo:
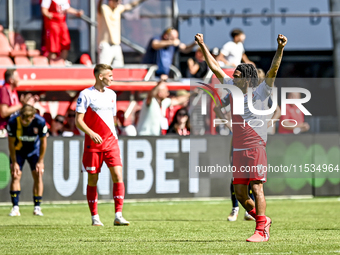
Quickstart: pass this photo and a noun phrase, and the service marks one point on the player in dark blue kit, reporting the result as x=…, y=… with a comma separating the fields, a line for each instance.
x=27, y=141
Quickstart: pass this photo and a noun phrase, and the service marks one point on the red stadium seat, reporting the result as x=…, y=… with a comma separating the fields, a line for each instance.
x=22, y=61
x=6, y=61
x=40, y=61
x=5, y=47
x=17, y=41
x=85, y=59
x=18, y=44
x=57, y=62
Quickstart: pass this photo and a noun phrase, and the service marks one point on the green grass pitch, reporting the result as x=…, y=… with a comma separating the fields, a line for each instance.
x=307, y=226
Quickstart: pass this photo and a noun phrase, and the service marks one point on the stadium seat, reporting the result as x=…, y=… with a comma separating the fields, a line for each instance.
x=22, y=61
x=40, y=61
x=5, y=47
x=18, y=44
x=85, y=59
x=6, y=61
x=57, y=62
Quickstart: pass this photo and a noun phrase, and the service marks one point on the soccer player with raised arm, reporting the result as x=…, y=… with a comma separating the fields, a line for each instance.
x=249, y=141
x=95, y=111
x=27, y=141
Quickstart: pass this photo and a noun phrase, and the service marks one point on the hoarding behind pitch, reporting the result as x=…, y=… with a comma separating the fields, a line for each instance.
x=312, y=33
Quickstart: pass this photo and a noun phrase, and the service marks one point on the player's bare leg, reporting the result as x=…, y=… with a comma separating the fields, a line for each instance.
x=118, y=194
x=64, y=54
x=241, y=191
x=15, y=192
x=38, y=189
x=92, y=198
x=263, y=223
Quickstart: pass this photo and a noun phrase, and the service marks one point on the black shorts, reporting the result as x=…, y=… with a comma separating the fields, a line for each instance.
x=32, y=160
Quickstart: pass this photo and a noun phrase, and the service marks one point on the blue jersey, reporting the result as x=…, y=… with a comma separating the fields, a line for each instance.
x=162, y=57
x=27, y=142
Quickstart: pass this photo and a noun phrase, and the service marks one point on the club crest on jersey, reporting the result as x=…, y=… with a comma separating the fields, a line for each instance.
x=260, y=170
x=35, y=130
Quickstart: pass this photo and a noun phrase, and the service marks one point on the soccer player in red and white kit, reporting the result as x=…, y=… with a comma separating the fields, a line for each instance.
x=249, y=141
x=95, y=111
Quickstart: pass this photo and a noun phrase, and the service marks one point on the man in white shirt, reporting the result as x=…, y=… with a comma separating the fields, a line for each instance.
x=232, y=53
x=152, y=117
x=109, y=31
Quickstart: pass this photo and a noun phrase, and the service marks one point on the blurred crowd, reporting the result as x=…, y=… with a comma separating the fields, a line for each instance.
x=161, y=112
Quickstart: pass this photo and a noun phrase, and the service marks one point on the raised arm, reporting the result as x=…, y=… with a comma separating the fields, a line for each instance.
x=160, y=44
x=132, y=5
x=246, y=60
x=211, y=61
x=99, y=6
x=187, y=48
x=75, y=12
x=271, y=75
x=152, y=93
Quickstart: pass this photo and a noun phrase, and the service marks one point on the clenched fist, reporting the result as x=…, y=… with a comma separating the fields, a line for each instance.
x=281, y=40
x=199, y=39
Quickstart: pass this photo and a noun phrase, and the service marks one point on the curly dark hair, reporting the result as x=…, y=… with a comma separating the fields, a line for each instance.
x=248, y=72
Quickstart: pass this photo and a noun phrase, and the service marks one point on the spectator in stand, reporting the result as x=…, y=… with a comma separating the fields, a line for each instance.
x=197, y=66
x=48, y=118
x=9, y=100
x=161, y=50
x=181, y=124
x=171, y=111
x=129, y=130
x=57, y=35
x=70, y=128
x=232, y=53
x=109, y=35
x=293, y=112
x=152, y=117
x=57, y=126
x=135, y=122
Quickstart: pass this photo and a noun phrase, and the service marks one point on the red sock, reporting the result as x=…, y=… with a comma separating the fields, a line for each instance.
x=253, y=213
x=260, y=222
x=92, y=199
x=118, y=195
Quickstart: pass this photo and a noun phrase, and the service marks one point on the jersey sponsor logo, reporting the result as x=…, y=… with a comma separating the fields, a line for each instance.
x=101, y=108
x=79, y=100
x=90, y=168
x=27, y=138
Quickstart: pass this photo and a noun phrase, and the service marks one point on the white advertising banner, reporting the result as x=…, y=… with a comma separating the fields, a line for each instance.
x=307, y=33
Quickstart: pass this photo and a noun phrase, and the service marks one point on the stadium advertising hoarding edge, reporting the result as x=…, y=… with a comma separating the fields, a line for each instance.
x=163, y=168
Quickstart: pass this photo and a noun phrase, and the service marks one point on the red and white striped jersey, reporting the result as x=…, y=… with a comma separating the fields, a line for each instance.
x=99, y=109
x=57, y=7
x=247, y=136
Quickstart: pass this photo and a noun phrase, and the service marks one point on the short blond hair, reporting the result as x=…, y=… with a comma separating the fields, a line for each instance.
x=28, y=111
x=99, y=68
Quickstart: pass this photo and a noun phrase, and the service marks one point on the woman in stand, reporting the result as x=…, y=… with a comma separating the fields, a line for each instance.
x=180, y=124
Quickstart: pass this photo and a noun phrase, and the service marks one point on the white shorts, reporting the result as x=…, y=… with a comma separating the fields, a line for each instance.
x=110, y=54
